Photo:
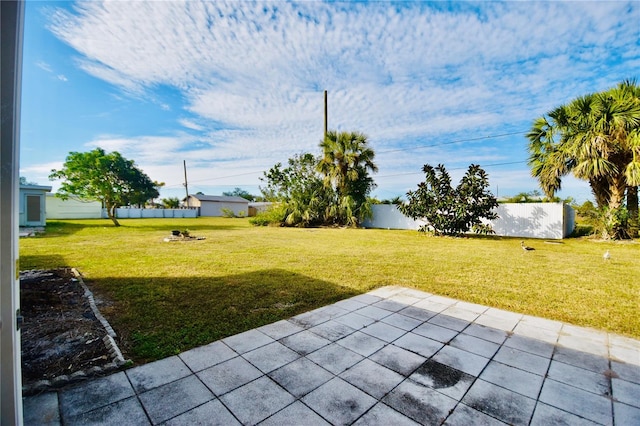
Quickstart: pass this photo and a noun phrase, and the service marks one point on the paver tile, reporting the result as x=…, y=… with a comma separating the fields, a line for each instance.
x=442, y=300
x=397, y=359
x=229, y=375
x=419, y=313
x=350, y=304
x=157, y=373
x=422, y=404
x=464, y=316
x=383, y=415
x=499, y=323
x=501, y=313
x=446, y=380
x=401, y=321
x=355, y=321
x=626, y=392
x=578, y=358
x=335, y=358
x=430, y=306
x=124, y=412
x=387, y=291
x=531, y=345
x=301, y=377
x=361, y=343
x=584, y=345
x=626, y=414
x=498, y=402
x=373, y=312
x=367, y=298
x=487, y=333
x=175, y=398
x=471, y=307
x=295, y=414
x=280, y=329
x=418, y=344
x=310, y=319
x=257, y=400
x=304, y=342
x=338, y=401
x=525, y=383
x=576, y=401
x=546, y=415
x=332, y=330
x=41, y=410
x=624, y=354
x=435, y=332
x=465, y=415
x=247, y=341
x=382, y=331
x=461, y=360
x=211, y=413
x=372, y=378
x=95, y=393
x=543, y=323
x=448, y=319
x=390, y=305
x=628, y=372
x=587, y=380
x=207, y=356
x=534, y=332
x=269, y=357
x=523, y=360
x=475, y=345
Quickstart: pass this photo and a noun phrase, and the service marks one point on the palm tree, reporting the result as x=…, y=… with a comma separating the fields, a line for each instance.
x=597, y=137
x=346, y=163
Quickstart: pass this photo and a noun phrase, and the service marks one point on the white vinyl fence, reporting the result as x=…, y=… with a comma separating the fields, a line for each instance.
x=133, y=213
x=528, y=220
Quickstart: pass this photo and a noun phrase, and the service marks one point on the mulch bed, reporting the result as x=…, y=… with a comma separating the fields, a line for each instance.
x=62, y=340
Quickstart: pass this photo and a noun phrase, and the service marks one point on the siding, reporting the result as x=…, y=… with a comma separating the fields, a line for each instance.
x=72, y=208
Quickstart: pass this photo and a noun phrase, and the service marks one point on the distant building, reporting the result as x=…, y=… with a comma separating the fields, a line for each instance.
x=213, y=205
x=32, y=205
x=72, y=208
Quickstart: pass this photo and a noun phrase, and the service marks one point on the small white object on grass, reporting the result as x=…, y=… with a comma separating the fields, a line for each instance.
x=525, y=248
x=606, y=256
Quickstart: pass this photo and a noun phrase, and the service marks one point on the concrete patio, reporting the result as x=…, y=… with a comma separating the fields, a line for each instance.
x=394, y=356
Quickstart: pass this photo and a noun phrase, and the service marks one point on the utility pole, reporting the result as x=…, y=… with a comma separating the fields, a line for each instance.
x=325, y=115
x=186, y=187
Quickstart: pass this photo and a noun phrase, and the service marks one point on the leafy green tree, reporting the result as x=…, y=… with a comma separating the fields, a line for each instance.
x=110, y=178
x=171, y=202
x=597, y=138
x=298, y=191
x=448, y=210
x=346, y=165
x=239, y=192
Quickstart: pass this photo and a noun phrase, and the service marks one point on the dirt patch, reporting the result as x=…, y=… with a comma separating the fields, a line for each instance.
x=62, y=339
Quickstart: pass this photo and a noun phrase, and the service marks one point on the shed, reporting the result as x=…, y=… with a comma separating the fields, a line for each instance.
x=212, y=205
x=32, y=205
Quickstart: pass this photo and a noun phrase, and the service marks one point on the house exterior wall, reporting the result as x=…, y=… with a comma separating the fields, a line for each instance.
x=529, y=220
x=72, y=208
x=214, y=208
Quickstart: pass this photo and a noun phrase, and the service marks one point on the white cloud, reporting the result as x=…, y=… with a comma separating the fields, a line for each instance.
x=404, y=73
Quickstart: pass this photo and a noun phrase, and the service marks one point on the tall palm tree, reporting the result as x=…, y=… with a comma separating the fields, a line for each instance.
x=346, y=163
x=597, y=138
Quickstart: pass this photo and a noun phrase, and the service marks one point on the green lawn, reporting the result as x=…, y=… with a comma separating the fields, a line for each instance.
x=168, y=297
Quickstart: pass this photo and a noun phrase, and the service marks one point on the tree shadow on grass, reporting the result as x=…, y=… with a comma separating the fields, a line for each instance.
x=159, y=317
x=56, y=228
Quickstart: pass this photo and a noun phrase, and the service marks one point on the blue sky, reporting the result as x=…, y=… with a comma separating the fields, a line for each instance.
x=232, y=88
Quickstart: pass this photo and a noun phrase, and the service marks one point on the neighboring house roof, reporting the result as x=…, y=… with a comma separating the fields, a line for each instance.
x=219, y=198
x=36, y=187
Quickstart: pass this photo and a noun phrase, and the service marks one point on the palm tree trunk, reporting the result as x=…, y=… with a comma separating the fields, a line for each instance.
x=632, y=207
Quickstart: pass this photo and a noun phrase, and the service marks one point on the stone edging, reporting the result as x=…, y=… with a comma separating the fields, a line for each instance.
x=117, y=359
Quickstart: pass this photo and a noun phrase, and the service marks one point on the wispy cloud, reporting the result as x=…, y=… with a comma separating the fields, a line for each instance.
x=404, y=73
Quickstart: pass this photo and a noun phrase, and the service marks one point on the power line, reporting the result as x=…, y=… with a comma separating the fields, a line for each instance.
x=456, y=168
x=451, y=142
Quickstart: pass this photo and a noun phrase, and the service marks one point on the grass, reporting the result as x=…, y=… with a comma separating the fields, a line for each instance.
x=165, y=298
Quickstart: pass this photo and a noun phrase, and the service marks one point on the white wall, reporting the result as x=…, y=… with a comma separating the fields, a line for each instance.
x=72, y=208
x=132, y=213
x=530, y=220
x=214, y=208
